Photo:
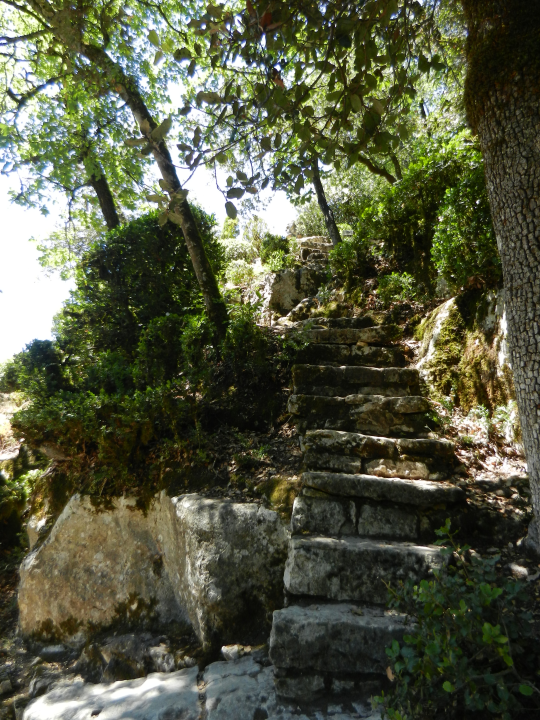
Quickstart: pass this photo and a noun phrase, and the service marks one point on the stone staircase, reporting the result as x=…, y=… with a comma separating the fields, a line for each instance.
x=374, y=490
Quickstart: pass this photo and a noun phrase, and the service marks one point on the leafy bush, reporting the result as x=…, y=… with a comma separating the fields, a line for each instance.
x=395, y=287
x=236, y=249
x=442, y=182
x=470, y=649
x=240, y=273
x=310, y=221
x=272, y=244
x=464, y=244
x=133, y=377
x=352, y=261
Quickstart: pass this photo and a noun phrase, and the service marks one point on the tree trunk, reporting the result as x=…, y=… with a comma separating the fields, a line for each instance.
x=503, y=105
x=128, y=90
x=329, y=221
x=106, y=201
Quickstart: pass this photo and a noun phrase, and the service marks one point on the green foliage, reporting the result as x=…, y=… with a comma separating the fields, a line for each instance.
x=395, y=287
x=469, y=651
x=443, y=178
x=231, y=229
x=351, y=261
x=133, y=377
x=464, y=244
x=310, y=220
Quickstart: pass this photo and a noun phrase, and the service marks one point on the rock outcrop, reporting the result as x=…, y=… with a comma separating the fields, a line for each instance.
x=207, y=563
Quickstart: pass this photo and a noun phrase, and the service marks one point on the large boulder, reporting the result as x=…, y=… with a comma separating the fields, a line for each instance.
x=213, y=564
x=96, y=568
x=283, y=290
x=225, y=561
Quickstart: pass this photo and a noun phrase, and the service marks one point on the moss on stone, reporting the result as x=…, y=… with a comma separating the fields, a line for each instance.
x=443, y=368
x=465, y=363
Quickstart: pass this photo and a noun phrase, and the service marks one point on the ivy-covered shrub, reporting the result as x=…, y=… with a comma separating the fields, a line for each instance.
x=133, y=375
x=469, y=653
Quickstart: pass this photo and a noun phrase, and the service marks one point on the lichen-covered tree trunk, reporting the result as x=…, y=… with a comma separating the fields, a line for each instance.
x=503, y=104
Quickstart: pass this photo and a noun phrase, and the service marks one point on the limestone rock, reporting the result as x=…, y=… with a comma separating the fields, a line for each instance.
x=343, y=381
x=419, y=493
x=173, y=696
x=190, y=559
x=323, y=516
x=382, y=467
x=225, y=561
x=94, y=568
x=283, y=290
x=239, y=689
x=387, y=522
x=378, y=335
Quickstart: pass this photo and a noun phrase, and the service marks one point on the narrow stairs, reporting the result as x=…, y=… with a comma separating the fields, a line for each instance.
x=373, y=492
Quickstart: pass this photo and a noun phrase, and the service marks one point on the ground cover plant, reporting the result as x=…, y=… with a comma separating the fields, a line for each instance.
x=470, y=652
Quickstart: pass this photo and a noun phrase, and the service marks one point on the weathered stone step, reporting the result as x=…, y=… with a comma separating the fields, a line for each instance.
x=378, y=335
x=354, y=569
x=337, y=442
x=314, y=240
x=333, y=638
x=343, y=381
x=370, y=414
x=337, y=517
x=363, y=321
x=420, y=493
x=381, y=467
x=366, y=356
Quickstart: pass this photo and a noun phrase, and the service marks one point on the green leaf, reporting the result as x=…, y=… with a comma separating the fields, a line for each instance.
x=158, y=57
x=242, y=176
x=221, y=158
x=356, y=103
x=162, y=129
x=231, y=210
x=423, y=63
x=526, y=690
x=154, y=38
x=235, y=193
x=182, y=53
x=175, y=218
x=448, y=686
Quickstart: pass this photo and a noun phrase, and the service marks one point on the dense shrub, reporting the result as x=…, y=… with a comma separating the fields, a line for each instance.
x=133, y=376
x=395, y=287
x=434, y=220
x=469, y=653
x=464, y=244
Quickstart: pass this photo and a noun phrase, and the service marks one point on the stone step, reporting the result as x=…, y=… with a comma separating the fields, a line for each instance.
x=333, y=639
x=355, y=569
x=419, y=493
x=337, y=442
x=343, y=381
x=366, y=356
x=370, y=414
x=378, y=335
x=338, y=517
x=425, y=469
x=312, y=240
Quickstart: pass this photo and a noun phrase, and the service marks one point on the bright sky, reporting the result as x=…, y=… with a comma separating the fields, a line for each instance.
x=29, y=300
